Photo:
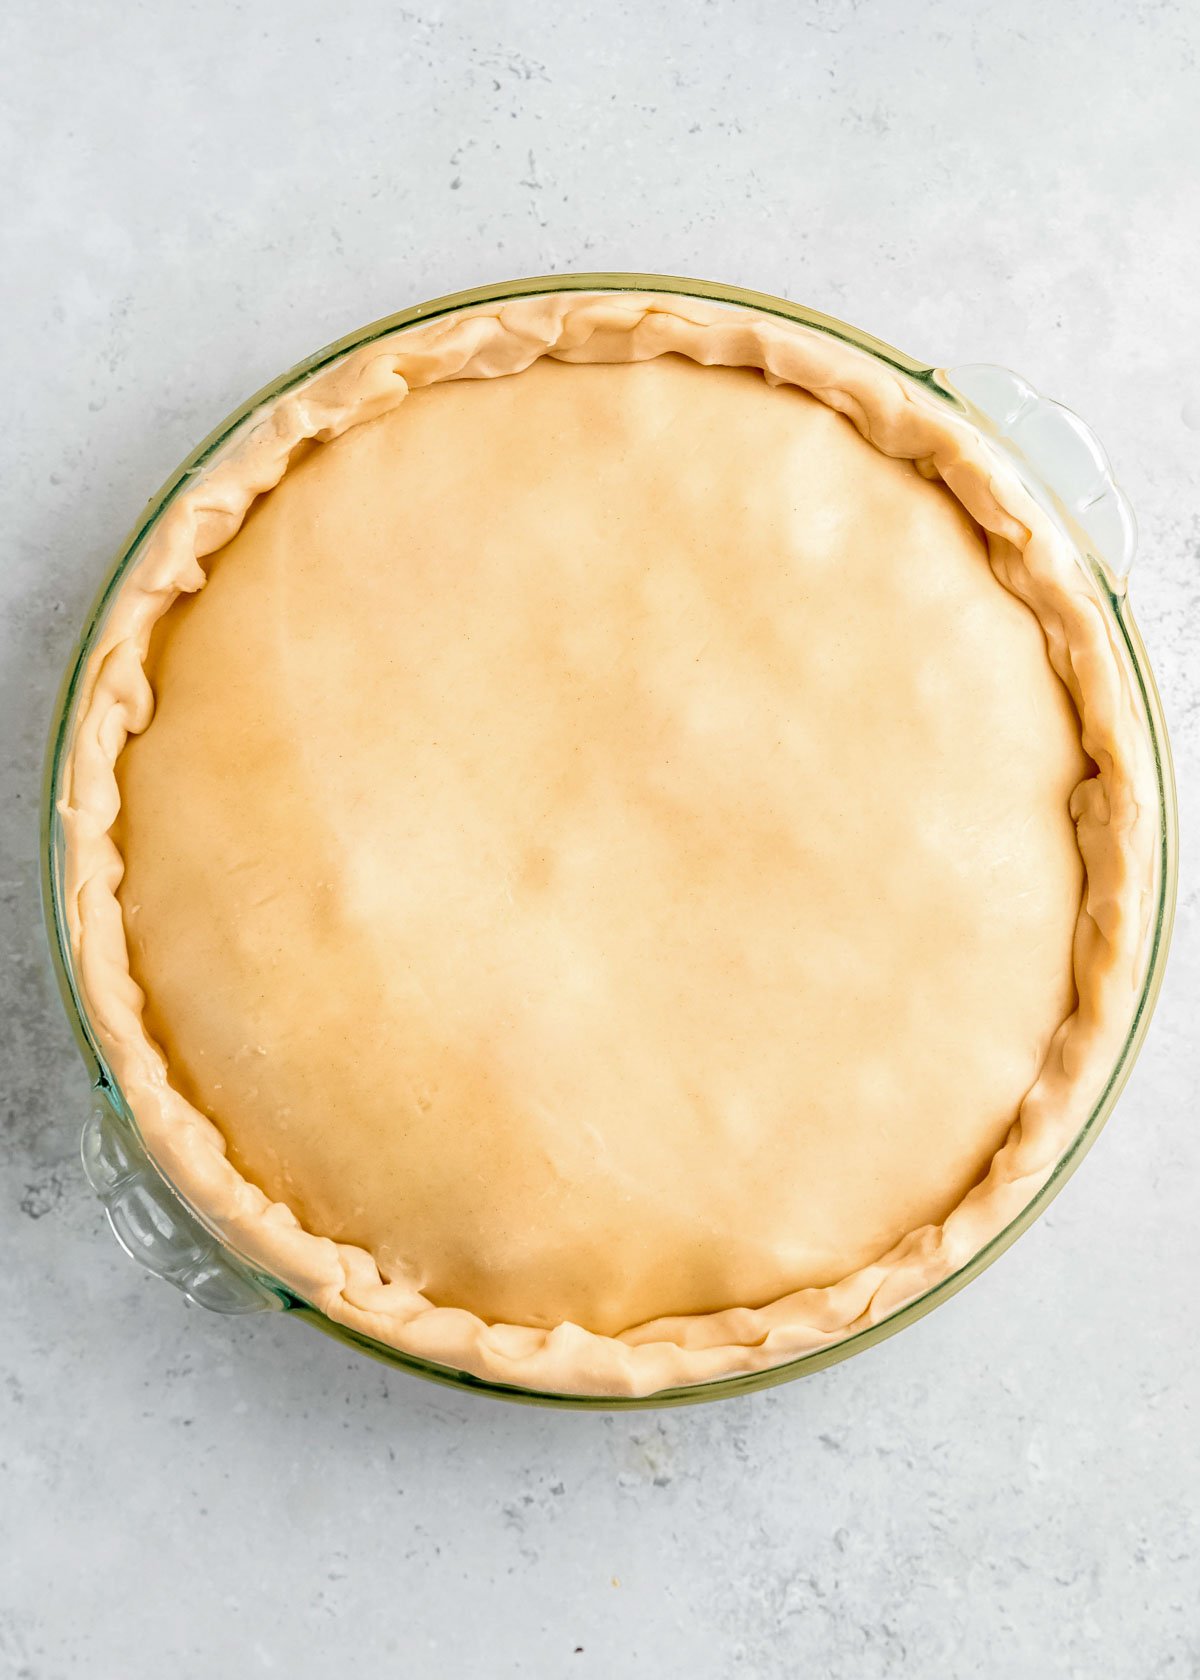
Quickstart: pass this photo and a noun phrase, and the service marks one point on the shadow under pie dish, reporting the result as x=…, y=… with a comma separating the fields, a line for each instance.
x=609, y=840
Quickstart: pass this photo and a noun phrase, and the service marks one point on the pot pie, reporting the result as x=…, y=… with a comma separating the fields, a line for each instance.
x=607, y=842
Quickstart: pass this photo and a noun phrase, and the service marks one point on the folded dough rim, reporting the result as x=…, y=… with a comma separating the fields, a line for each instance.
x=1114, y=812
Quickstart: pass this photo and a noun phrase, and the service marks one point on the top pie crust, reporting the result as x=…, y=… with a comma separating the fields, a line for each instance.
x=620, y=895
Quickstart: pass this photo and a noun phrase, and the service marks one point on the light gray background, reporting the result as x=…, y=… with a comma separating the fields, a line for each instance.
x=194, y=196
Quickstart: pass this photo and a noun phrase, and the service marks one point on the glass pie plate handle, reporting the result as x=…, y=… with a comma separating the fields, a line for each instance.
x=154, y=1226
x=1057, y=452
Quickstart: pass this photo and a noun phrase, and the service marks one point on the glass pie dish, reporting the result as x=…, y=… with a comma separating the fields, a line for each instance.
x=1061, y=465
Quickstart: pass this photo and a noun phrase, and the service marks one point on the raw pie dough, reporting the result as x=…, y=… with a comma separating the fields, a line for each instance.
x=614, y=889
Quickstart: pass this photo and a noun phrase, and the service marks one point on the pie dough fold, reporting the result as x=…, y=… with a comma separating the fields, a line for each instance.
x=1111, y=805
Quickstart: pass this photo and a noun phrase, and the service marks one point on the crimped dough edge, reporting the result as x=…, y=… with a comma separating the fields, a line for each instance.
x=1114, y=812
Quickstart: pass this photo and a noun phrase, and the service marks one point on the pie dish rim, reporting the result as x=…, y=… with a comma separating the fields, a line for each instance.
x=1112, y=596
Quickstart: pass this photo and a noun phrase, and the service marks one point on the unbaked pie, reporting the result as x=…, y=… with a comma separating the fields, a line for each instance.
x=605, y=845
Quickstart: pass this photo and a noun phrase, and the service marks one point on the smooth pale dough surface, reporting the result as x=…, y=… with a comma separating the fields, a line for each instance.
x=603, y=844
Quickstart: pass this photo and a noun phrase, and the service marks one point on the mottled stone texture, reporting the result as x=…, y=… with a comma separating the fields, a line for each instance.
x=195, y=196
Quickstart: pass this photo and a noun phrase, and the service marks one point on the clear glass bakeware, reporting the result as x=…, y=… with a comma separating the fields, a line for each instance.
x=1064, y=466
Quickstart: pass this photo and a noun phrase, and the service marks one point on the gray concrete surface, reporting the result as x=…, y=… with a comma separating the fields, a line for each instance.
x=193, y=197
